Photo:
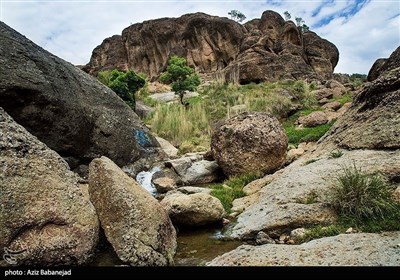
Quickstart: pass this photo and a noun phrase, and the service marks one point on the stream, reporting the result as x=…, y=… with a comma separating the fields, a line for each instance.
x=195, y=247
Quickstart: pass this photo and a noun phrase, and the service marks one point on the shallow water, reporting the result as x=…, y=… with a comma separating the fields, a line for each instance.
x=195, y=248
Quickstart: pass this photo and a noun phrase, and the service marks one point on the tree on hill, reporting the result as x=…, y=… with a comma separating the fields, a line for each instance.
x=124, y=84
x=287, y=15
x=181, y=77
x=237, y=15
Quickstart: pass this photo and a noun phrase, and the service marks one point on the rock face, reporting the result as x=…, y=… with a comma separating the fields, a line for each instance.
x=249, y=143
x=373, y=120
x=342, y=250
x=294, y=198
x=68, y=110
x=261, y=50
x=313, y=119
x=42, y=208
x=384, y=64
x=136, y=225
x=196, y=209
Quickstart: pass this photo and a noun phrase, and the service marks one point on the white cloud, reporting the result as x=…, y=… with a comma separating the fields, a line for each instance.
x=72, y=29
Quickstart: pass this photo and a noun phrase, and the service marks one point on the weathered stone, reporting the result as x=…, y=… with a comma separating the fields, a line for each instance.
x=373, y=120
x=271, y=49
x=383, y=65
x=142, y=110
x=240, y=204
x=313, y=119
x=297, y=233
x=167, y=147
x=249, y=143
x=294, y=154
x=43, y=209
x=324, y=93
x=135, y=224
x=332, y=106
x=164, y=184
x=285, y=203
x=263, y=238
x=194, y=170
x=193, y=210
x=192, y=190
x=360, y=249
x=65, y=108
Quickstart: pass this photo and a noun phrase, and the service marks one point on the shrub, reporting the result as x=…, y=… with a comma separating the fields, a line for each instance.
x=124, y=84
x=180, y=76
x=361, y=197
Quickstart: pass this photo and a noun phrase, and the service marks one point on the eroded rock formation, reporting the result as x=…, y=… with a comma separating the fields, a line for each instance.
x=261, y=50
x=44, y=213
x=67, y=109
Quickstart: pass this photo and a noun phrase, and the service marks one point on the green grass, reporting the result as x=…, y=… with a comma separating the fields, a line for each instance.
x=306, y=134
x=232, y=189
x=181, y=126
x=362, y=197
x=322, y=231
x=348, y=97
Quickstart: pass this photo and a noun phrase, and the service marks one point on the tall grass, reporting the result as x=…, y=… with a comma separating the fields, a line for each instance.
x=360, y=196
x=178, y=124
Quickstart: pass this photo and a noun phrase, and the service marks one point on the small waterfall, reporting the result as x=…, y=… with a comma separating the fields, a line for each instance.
x=144, y=179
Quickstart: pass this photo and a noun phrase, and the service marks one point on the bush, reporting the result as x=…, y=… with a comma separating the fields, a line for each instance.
x=124, y=84
x=180, y=76
x=363, y=197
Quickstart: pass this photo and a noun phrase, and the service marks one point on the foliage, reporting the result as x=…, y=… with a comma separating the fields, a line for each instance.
x=232, y=189
x=360, y=197
x=237, y=15
x=124, y=84
x=180, y=76
x=177, y=124
x=287, y=15
x=322, y=231
x=307, y=134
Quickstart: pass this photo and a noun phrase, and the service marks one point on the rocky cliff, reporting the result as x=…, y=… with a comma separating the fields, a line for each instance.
x=67, y=109
x=263, y=49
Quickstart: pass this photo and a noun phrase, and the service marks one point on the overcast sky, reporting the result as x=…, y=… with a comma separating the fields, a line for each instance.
x=363, y=30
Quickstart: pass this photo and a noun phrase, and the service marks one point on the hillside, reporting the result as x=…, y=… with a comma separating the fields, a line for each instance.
x=265, y=49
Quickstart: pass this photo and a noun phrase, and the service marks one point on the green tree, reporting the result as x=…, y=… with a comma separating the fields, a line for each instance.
x=287, y=16
x=299, y=21
x=237, y=15
x=180, y=76
x=124, y=84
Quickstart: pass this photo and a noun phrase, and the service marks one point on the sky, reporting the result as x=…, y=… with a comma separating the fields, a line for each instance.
x=362, y=30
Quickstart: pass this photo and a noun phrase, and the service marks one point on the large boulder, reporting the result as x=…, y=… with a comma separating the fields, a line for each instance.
x=43, y=210
x=193, y=169
x=373, y=120
x=68, y=110
x=382, y=65
x=362, y=249
x=295, y=196
x=249, y=143
x=191, y=210
x=261, y=50
x=135, y=224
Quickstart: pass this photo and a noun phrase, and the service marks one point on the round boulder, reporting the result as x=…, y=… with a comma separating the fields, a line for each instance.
x=249, y=143
x=193, y=210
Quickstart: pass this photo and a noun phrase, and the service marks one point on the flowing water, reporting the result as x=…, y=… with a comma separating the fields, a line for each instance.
x=144, y=179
